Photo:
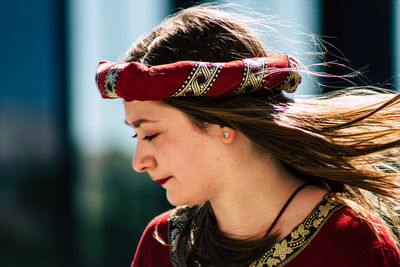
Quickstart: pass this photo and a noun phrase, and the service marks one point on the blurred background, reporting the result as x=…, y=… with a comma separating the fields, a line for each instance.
x=68, y=195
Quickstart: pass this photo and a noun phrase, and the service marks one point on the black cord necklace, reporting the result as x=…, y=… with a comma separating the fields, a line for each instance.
x=285, y=206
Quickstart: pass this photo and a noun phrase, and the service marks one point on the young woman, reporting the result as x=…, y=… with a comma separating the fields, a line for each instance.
x=258, y=179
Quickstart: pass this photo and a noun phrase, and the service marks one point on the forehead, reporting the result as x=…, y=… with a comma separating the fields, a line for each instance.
x=151, y=110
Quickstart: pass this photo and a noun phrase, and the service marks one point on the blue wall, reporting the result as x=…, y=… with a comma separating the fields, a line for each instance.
x=34, y=144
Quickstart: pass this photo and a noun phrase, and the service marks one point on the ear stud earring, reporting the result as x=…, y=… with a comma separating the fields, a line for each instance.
x=226, y=134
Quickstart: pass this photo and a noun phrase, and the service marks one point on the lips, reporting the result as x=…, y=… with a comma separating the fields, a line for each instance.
x=163, y=180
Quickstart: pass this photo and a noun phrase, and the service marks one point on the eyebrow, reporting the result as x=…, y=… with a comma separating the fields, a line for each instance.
x=136, y=124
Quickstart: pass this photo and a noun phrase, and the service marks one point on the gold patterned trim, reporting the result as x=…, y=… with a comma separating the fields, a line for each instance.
x=200, y=80
x=282, y=252
x=99, y=71
x=176, y=222
x=293, y=78
x=288, y=248
x=110, y=81
x=254, y=74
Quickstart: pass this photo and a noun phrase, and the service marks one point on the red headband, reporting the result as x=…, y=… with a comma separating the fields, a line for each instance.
x=136, y=81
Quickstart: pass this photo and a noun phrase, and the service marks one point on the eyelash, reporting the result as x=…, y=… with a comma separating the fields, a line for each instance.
x=149, y=137
x=146, y=138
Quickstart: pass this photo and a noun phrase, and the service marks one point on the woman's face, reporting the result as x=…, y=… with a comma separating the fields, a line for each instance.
x=185, y=160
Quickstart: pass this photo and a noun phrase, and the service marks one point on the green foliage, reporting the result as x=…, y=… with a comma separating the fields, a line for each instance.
x=112, y=221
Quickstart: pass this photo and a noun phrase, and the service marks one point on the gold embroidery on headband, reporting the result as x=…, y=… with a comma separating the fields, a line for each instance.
x=292, y=80
x=110, y=81
x=200, y=79
x=254, y=73
x=99, y=71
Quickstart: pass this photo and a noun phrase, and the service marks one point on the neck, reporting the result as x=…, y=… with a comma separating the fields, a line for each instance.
x=252, y=200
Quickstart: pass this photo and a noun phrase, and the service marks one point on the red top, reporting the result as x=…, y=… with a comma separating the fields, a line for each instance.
x=150, y=251
x=343, y=240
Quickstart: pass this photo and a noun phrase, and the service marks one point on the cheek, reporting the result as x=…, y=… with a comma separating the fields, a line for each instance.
x=184, y=153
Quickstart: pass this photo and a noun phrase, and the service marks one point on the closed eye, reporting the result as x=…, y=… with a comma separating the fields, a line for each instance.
x=150, y=137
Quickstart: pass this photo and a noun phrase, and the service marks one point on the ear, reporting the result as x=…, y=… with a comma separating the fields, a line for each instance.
x=228, y=135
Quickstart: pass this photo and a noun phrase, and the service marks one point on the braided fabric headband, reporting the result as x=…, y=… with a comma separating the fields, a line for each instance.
x=136, y=81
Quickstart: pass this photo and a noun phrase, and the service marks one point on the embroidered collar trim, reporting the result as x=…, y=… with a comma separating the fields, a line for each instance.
x=283, y=251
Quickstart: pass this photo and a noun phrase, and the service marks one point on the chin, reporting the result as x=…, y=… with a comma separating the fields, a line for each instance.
x=180, y=200
x=177, y=202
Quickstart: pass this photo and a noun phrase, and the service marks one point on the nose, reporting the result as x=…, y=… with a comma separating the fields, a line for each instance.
x=143, y=160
